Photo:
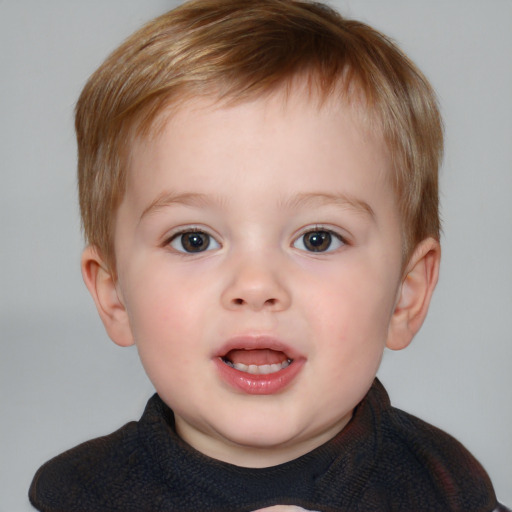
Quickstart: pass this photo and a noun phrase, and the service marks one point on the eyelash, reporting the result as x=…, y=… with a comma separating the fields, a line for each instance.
x=332, y=237
x=326, y=238
x=179, y=236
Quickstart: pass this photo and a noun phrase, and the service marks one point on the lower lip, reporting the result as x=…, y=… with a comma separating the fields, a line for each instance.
x=259, y=384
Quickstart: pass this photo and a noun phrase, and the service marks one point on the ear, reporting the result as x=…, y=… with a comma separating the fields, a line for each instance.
x=101, y=284
x=414, y=294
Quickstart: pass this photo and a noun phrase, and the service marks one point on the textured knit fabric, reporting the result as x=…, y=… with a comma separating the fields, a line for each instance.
x=383, y=460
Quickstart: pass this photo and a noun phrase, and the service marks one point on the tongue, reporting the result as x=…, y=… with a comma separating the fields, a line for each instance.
x=258, y=356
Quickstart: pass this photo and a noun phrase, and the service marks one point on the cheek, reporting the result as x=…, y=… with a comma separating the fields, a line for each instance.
x=354, y=306
x=169, y=311
x=162, y=324
x=159, y=309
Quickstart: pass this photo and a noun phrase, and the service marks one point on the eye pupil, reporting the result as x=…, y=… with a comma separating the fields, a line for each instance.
x=195, y=242
x=317, y=241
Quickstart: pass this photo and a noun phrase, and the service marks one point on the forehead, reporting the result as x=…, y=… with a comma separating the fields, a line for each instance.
x=282, y=106
x=204, y=141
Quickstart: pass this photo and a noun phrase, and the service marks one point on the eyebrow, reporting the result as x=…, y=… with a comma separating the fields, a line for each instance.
x=304, y=200
x=313, y=199
x=171, y=198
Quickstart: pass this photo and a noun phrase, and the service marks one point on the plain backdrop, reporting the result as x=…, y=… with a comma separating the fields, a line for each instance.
x=62, y=380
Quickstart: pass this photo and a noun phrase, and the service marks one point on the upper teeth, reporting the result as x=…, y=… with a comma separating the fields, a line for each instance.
x=255, y=369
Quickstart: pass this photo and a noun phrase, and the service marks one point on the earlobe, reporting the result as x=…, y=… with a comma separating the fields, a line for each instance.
x=102, y=286
x=415, y=293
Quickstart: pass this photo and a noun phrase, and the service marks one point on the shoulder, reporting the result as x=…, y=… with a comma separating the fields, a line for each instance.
x=437, y=459
x=111, y=473
x=437, y=450
x=79, y=476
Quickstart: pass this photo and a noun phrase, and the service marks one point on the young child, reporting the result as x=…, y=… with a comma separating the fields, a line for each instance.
x=258, y=189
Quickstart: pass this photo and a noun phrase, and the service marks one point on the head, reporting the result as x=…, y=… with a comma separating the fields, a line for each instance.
x=202, y=49
x=264, y=201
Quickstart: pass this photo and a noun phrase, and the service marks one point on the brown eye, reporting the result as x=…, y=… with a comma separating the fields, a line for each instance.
x=319, y=240
x=193, y=242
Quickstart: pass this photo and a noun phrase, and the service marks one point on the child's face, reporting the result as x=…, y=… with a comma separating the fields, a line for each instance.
x=260, y=234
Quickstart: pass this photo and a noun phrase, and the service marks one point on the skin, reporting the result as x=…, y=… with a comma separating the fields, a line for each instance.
x=268, y=172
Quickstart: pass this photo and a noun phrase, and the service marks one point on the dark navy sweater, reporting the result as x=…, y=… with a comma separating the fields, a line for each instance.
x=383, y=460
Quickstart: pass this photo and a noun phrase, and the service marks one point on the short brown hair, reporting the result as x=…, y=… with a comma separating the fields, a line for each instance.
x=238, y=49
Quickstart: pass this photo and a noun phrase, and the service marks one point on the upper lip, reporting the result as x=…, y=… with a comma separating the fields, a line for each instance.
x=258, y=342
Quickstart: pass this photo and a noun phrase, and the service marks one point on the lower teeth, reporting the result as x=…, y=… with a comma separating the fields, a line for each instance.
x=255, y=369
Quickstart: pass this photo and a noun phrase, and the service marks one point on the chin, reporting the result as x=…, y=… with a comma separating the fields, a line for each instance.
x=264, y=438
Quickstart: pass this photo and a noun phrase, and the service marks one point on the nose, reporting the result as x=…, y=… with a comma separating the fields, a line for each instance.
x=255, y=285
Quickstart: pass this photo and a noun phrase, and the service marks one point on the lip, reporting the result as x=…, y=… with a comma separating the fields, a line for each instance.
x=258, y=384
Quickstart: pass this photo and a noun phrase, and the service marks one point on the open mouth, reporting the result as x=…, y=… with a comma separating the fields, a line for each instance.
x=257, y=361
x=258, y=366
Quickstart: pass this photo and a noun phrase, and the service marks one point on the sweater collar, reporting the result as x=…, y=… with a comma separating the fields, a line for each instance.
x=351, y=453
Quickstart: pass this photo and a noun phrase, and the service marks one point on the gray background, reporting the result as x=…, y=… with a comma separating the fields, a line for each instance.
x=62, y=380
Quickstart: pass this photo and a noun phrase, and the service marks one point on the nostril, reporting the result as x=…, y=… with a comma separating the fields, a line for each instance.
x=268, y=302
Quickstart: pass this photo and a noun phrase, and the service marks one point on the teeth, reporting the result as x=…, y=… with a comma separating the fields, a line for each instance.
x=255, y=369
